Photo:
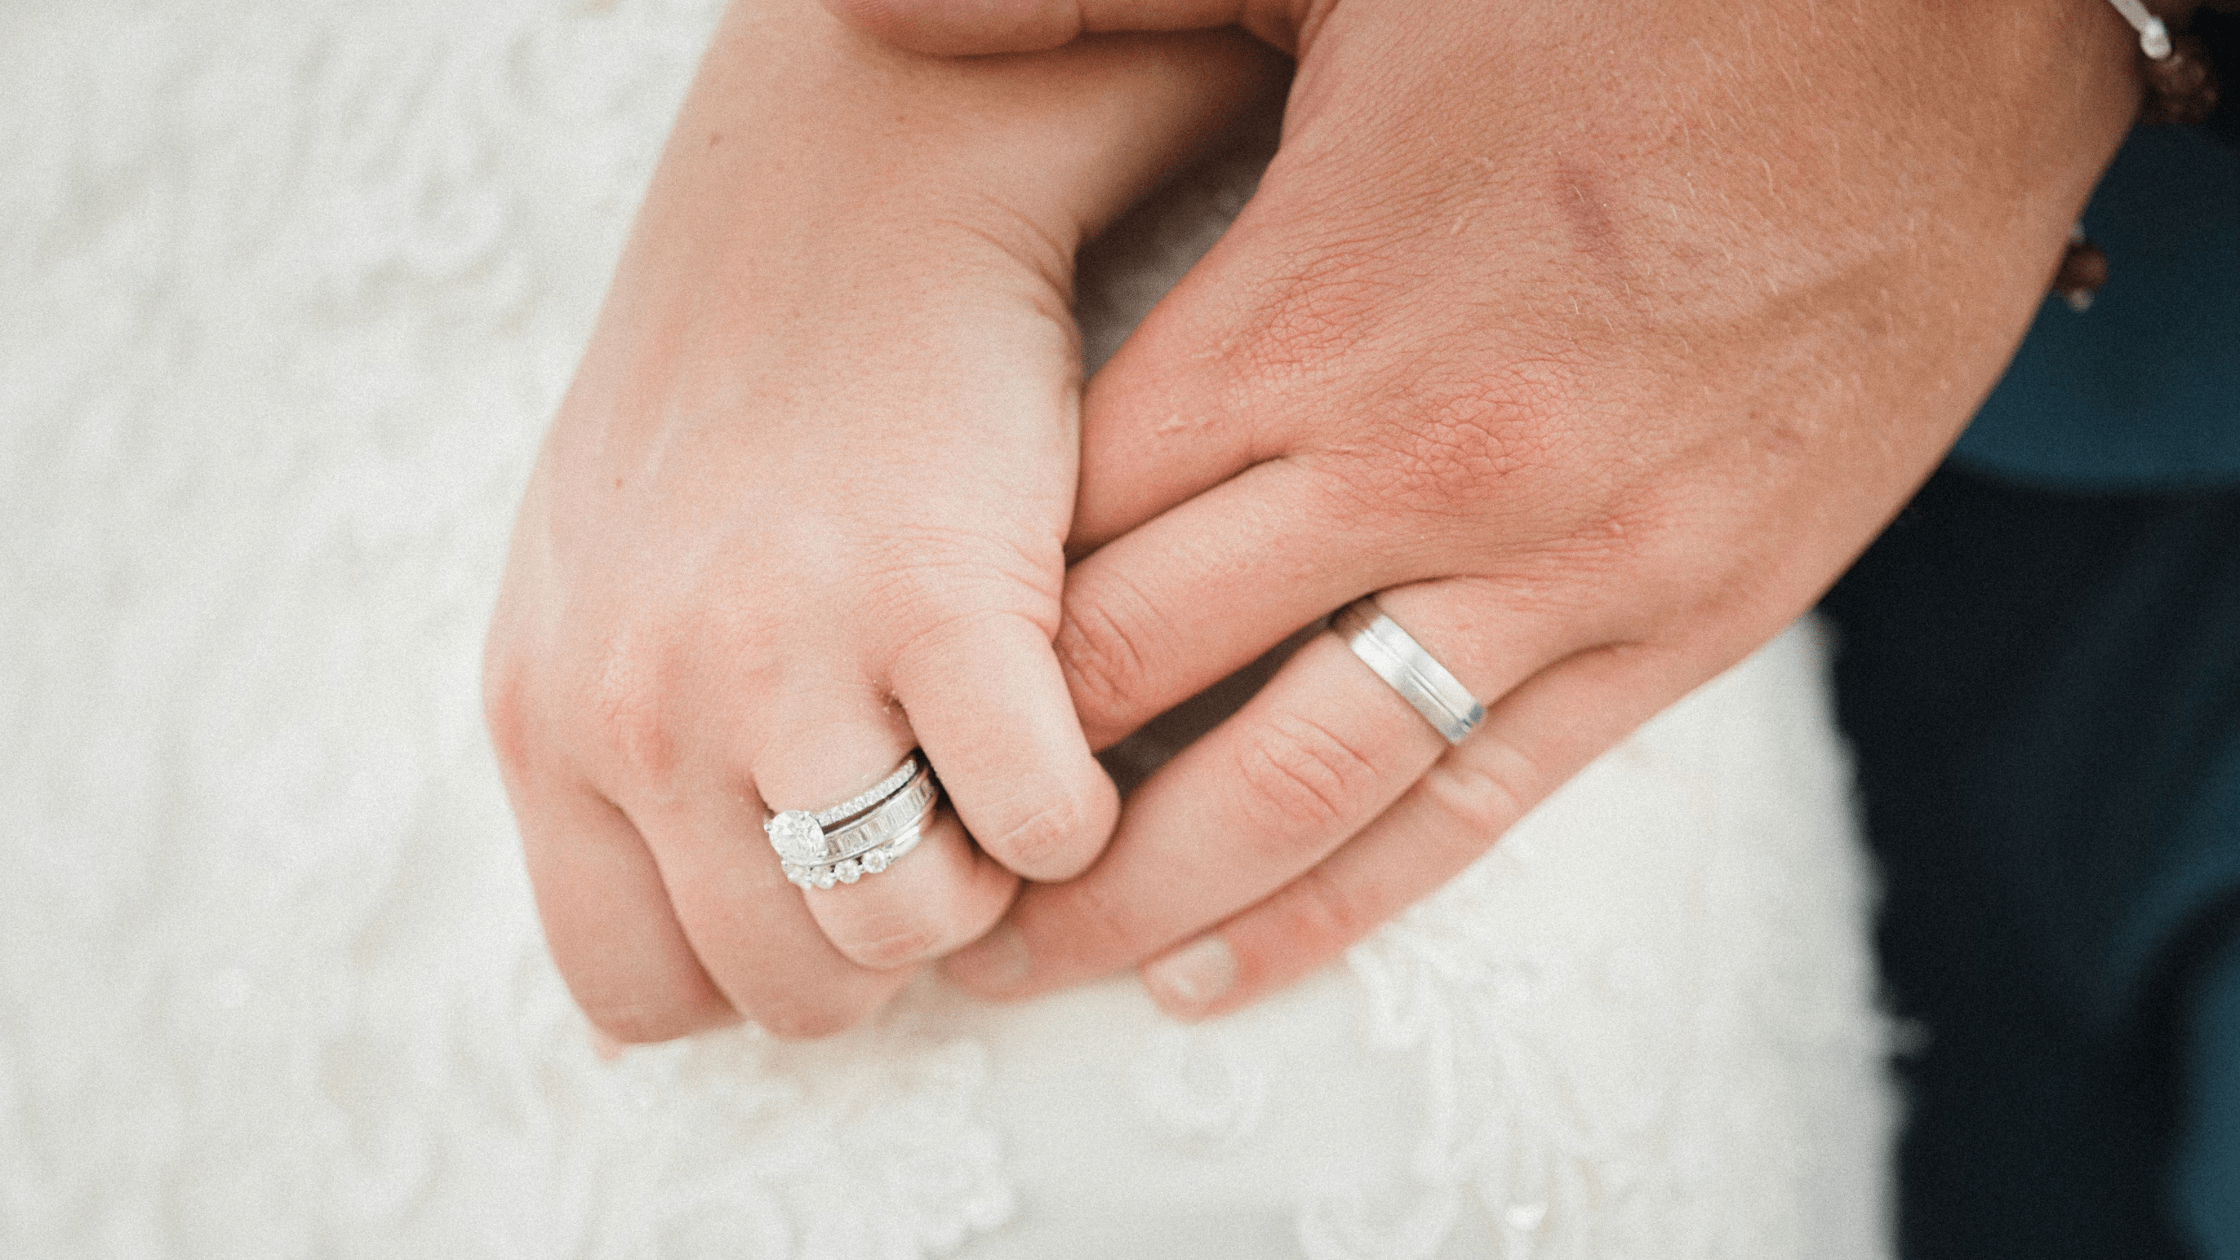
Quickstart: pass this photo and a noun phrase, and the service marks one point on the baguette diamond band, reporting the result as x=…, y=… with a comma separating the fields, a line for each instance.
x=849, y=870
x=1401, y=661
x=860, y=836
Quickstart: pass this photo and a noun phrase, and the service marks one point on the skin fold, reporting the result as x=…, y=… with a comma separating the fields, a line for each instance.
x=804, y=506
x=1598, y=339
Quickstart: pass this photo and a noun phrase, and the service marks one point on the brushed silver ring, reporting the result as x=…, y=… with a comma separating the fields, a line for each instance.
x=1401, y=661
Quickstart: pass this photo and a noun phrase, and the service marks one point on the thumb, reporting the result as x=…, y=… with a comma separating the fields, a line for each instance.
x=959, y=28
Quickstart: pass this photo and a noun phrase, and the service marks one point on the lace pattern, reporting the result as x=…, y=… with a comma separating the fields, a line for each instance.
x=287, y=293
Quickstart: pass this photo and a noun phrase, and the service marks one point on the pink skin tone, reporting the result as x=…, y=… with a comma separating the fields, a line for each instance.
x=1598, y=338
x=804, y=507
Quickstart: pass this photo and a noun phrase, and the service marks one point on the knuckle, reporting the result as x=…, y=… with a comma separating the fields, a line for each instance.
x=1463, y=438
x=628, y=712
x=941, y=634
x=505, y=711
x=1312, y=312
x=1474, y=799
x=1048, y=840
x=936, y=611
x=1300, y=778
x=1471, y=434
x=937, y=572
x=638, y=735
x=1105, y=666
x=1321, y=917
x=1016, y=237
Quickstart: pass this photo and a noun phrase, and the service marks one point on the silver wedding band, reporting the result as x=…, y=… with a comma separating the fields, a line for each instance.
x=860, y=836
x=1401, y=661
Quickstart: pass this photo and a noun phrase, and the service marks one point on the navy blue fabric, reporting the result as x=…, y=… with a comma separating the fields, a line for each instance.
x=2142, y=391
x=2205, y=1182
x=2043, y=691
x=2221, y=32
x=2039, y=666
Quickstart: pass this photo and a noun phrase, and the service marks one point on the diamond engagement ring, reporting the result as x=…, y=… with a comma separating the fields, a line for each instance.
x=1401, y=662
x=860, y=836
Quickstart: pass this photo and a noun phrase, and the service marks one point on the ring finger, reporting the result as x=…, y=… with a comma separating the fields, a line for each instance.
x=1324, y=749
x=918, y=888
x=749, y=927
x=936, y=897
x=987, y=699
x=1538, y=736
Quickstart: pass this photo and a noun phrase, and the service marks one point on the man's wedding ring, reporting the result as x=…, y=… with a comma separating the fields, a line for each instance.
x=860, y=836
x=1401, y=661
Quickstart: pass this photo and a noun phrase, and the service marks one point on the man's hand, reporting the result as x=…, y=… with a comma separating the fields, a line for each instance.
x=1597, y=337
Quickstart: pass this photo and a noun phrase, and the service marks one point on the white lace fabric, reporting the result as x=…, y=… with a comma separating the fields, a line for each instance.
x=287, y=294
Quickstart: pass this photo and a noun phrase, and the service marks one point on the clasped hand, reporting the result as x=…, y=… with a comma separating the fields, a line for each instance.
x=1596, y=341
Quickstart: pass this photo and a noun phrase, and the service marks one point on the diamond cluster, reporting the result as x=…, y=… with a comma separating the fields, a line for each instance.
x=796, y=836
x=852, y=869
x=861, y=835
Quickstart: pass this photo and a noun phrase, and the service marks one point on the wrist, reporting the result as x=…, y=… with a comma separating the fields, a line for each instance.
x=797, y=116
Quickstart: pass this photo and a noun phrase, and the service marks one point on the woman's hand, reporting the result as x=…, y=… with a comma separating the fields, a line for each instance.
x=1599, y=338
x=804, y=507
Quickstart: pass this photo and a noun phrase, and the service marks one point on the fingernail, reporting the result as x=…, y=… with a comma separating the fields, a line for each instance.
x=1186, y=981
x=994, y=964
x=607, y=1048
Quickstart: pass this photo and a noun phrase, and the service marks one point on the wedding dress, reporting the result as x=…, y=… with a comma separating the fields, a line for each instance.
x=287, y=294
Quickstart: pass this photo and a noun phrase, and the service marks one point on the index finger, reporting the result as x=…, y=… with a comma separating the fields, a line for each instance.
x=1308, y=763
